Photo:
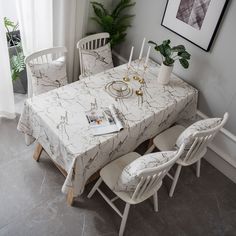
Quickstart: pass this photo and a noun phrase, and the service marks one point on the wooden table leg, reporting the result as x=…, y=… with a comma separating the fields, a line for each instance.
x=70, y=197
x=37, y=152
x=150, y=143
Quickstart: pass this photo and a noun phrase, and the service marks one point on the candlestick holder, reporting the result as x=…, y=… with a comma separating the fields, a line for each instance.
x=136, y=75
x=139, y=94
x=142, y=81
x=126, y=78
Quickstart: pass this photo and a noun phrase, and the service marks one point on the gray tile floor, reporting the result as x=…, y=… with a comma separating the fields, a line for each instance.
x=31, y=202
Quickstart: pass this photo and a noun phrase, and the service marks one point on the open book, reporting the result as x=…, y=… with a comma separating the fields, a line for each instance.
x=104, y=121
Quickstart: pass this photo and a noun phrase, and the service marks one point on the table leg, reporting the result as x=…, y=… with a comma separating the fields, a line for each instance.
x=150, y=143
x=71, y=193
x=70, y=197
x=37, y=152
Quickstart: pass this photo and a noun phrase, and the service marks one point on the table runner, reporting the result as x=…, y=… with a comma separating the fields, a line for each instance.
x=57, y=120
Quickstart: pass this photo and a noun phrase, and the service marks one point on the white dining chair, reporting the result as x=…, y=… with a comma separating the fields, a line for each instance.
x=197, y=147
x=149, y=182
x=46, y=70
x=89, y=43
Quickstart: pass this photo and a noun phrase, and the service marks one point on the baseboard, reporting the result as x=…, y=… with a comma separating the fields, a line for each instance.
x=220, y=164
x=224, y=144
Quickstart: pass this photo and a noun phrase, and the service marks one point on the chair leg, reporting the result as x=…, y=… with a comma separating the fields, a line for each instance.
x=198, y=170
x=155, y=201
x=124, y=219
x=95, y=187
x=176, y=177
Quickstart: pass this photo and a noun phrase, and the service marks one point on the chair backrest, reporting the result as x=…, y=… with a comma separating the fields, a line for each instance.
x=91, y=42
x=201, y=141
x=151, y=178
x=41, y=57
x=46, y=55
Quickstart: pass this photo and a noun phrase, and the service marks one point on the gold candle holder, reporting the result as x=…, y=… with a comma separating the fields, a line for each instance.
x=141, y=81
x=136, y=77
x=139, y=92
x=126, y=78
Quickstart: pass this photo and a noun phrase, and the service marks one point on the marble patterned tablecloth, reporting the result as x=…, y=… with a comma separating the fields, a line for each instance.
x=57, y=120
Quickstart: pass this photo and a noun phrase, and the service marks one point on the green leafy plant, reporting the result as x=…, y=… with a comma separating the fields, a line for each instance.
x=14, y=41
x=115, y=22
x=171, y=54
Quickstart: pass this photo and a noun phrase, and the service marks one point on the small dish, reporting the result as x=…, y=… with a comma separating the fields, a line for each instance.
x=119, y=86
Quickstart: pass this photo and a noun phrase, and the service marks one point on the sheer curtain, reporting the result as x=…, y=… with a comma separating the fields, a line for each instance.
x=36, y=24
x=69, y=26
x=7, y=108
x=48, y=23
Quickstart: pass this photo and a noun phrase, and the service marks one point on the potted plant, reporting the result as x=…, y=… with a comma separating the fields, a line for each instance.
x=16, y=55
x=169, y=56
x=115, y=22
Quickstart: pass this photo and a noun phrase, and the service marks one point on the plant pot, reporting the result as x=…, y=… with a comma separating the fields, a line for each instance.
x=164, y=74
x=20, y=84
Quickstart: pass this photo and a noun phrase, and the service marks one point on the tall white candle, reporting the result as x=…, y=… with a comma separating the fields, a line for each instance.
x=141, y=51
x=130, y=56
x=147, y=57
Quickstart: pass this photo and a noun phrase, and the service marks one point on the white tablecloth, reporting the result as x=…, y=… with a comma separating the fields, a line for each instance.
x=57, y=120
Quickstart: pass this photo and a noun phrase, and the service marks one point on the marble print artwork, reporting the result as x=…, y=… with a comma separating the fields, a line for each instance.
x=57, y=120
x=96, y=60
x=48, y=76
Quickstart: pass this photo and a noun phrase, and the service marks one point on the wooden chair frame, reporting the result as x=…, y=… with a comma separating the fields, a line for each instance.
x=91, y=42
x=149, y=184
x=196, y=152
x=40, y=57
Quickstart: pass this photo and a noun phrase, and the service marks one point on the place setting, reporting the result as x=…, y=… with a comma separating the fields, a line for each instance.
x=133, y=82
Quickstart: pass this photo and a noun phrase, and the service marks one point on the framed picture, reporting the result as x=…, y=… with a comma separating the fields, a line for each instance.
x=195, y=20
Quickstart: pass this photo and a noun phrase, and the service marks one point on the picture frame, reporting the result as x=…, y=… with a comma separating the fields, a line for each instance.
x=195, y=20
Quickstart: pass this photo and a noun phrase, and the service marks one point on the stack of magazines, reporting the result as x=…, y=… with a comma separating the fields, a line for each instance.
x=104, y=121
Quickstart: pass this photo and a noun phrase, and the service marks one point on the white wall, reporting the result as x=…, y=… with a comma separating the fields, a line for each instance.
x=212, y=73
x=9, y=9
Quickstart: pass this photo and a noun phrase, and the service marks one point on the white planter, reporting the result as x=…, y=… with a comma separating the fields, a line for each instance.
x=164, y=74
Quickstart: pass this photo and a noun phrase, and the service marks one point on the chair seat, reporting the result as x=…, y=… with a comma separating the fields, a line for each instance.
x=111, y=172
x=166, y=140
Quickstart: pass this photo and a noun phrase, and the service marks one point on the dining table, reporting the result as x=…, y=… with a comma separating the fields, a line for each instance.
x=56, y=120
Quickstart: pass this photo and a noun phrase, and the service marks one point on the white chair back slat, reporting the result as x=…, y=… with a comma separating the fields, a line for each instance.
x=99, y=43
x=151, y=183
x=46, y=55
x=151, y=178
x=144, y=186
x=201, y=141
x=140, y=184
x=199, y=147
x=191, y=153
x=155, y=180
